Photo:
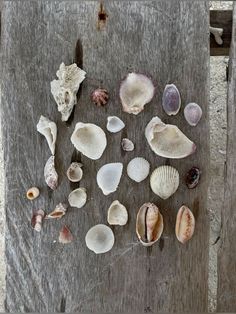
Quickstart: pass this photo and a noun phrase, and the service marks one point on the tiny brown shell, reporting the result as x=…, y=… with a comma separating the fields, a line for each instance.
x=100, y=97
x=185, y=224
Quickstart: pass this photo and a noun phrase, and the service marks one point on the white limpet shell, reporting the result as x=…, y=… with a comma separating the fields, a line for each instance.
x=127, y=145
x=100, y=239
x=108, y=177
x=74, y=172
x=50, y=174
x=117, y=214
x=171, y=101
x=77, y=198
x=114, y=124
x=164, y=181
x=64, y=89
x=138, y=169
x=89, y=139
x=48, y=129
x=166, y=140
x=192, y=113
x=136, y=90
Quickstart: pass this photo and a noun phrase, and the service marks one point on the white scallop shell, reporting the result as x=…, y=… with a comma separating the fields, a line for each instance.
x=89, y=139
x=166, y=140
x=117, y=214
x=74, y=172
x=64, y=89
x=48, y=129
x=192, y=113
x=114, y=124
x=77, y=198
x=164, y=181
x=138, y=169
x=127, y=145
x=100, y=239
x=108, y=177
x=136, y=91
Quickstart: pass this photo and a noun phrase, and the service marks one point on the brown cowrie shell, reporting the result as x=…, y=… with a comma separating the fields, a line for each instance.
x=185, y=224
x=32, y=193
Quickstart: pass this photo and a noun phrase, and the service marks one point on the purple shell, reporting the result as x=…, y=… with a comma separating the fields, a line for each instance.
x=192, y=113
x=171, y=101
x=193, y=177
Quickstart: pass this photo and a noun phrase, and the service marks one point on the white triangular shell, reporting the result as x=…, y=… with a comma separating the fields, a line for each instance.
x=117, y=214
x=74, y=172
x=138, y=169
x=166, y=140
x=48, y=128
x=127, y=145
x=136, y=91
x=77, y=198
x=64, y=89
x=108, y=177
x=50, y=174
x=164, y=181
x=100, y=239
x=89, y=139
x=192, y=113
x=114, y=124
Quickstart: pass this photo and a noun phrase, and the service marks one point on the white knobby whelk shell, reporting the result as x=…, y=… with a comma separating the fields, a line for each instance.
x=50, y=174
x=192, y=113
x=64, y=89
x=164, y=181
x=185, y=224
x=77, y=198
x=138, y=169
x=108, y=177
x=48, y=129
x=117, y=214
x=127, y=145
x=89, y=139
x=149, y=224
x=171, y=101
x=136, y=91
x=74, y=172
x=114, y=124
x=166, y=140
x=100, y=239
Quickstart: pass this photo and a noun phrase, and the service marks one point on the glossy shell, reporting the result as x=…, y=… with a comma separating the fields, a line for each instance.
x=171, y=101
x=193, y=177
x=192, y=113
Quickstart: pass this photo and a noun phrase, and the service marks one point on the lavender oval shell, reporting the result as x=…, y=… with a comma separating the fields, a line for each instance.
x=171, y=101
x=192, y=113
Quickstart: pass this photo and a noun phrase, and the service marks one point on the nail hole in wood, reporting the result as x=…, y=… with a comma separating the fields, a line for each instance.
x=102, y=17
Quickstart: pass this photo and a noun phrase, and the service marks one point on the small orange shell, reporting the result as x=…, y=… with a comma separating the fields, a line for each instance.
x=185, y=224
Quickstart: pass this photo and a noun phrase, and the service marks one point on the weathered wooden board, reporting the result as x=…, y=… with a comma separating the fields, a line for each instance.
x=168, y=41
x=227, y=253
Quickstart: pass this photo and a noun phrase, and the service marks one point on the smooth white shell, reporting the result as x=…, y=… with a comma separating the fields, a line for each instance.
x=74, y=172
x=100, y=239
x=48, y=129
x=138, y=169
x=108, y=177
x=192, y=113
x=164, y=181
x=114, y=124
x=89, y=139
x=117, y=214
x=77, y=198
x=127, y=145
x=166, y=140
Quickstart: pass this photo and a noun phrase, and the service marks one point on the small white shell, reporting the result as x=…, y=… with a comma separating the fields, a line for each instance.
x=108, y=177
x=138, y=169
x=100, y=239
x=164, y=181
x=50, y=174
x=74, y=172
x=48, y=129
x=117, y=214
x=114, y=124
x=192, y=113
x=127, y=145
x=77, y=198
x=89, y=139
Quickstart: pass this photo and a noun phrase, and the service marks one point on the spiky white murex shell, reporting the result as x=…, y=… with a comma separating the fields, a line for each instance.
x=114, y=124
x=64, y=89
x=74, y=172
x=108, y=177
x=166, y=140
x=117, y=214
x=164, y=181
x=89, y=139
x=48, y=129
x=100, y=239
x=138, y=169
x=77, y=198
x=136, y=91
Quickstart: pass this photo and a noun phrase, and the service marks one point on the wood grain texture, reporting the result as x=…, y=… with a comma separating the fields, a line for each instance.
x=227, y=252
x=164, y=39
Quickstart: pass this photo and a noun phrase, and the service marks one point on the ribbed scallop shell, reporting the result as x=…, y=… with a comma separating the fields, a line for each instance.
x=138, y=169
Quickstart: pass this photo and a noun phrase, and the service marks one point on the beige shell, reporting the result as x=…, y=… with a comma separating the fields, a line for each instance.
x=74, y=172
x=164, y=181
x=58, y=212
x=108, y=177
x=149, y=224
x=77, y=198
x=32, y=193
x=117, y=214
x=100, y=239
x=48, y=129
x=185, y=224
x=50, y=174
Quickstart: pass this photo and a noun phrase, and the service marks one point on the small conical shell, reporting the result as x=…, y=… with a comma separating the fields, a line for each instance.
x=114, y=124
x=138, y=169
x=77, y=198
x=108, y=177
x=74, y=172
x=117, y=214
x=164, y=181
x=100, y=239
x=48, y=129
x=50, y=174
x=171, y=100
x=192, y=113
x=58, y=212
x=127, y=145
x=185, y=224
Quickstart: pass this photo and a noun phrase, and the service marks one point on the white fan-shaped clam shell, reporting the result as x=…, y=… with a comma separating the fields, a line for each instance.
x=127, y=145
x=136, y=91
x=117, y=214
x=164, y=181
x=77, y=198
x=114, y=124
x=108, y=177
x=48, y=128
x=89, y=139
x=74, y=172
x=100, y=239
x=192, y=113
x=138, y=169
x=166, y=140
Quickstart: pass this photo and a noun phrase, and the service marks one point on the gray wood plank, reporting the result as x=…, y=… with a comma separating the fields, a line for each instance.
x=226, y=298
x=170, y=42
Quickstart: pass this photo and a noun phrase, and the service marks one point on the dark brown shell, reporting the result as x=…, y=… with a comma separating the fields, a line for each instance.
x=193, y=177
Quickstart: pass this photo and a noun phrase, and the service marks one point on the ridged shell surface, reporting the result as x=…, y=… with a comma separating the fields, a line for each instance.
x=138, y=169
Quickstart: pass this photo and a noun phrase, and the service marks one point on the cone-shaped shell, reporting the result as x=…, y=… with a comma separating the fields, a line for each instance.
x=192, y=113
x=138, y=169
x=108, y=177
x=100, y=239
x=185, y=224
x=50, y=174
x=48, y=128
x=171, y=100
x=77, y=198
x=117, y=214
